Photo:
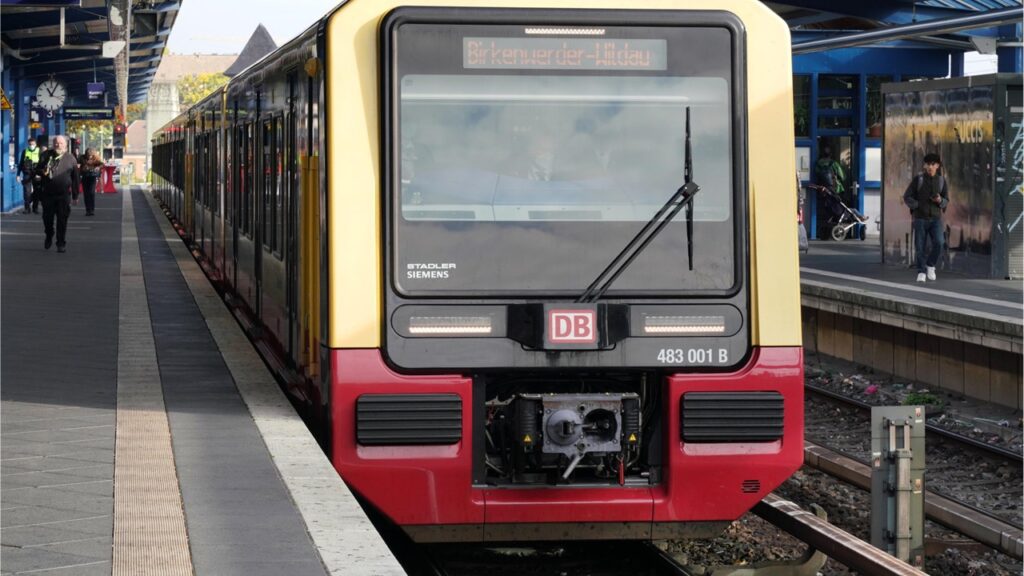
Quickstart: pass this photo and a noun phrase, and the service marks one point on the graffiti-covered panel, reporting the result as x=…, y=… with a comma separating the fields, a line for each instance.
x=1009, y=201
x=956, y=123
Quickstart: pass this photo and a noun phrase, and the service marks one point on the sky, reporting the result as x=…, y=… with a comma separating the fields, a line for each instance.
x=223, y=26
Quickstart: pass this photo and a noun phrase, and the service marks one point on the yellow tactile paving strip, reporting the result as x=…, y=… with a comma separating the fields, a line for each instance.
x=149, y=522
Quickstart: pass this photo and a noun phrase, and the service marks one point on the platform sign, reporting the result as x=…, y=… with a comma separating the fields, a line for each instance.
x=88, y=114
x=5, y=104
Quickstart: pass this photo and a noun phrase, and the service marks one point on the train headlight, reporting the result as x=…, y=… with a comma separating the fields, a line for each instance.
x=446, y=321
x=684, y=325
x=672, y=320
x=450, y=325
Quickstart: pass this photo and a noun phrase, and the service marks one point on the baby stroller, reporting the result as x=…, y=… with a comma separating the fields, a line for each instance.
x=840, y=216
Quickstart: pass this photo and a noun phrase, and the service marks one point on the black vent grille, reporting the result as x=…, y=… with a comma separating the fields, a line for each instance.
x=731, y=417
x=751, y=486
x=408, y=419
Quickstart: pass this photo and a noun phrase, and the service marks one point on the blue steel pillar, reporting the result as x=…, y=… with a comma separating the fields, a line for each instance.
x=1010, y=56
x=812, y=198
x=10, y=195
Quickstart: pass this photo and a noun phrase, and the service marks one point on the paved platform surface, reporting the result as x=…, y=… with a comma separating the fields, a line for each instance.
x=92, y=341
x=858, y=265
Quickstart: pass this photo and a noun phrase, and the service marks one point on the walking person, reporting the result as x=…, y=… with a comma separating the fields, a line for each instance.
x=58, y=172
x=89, y=172
x=27, y=169
x=927, y=197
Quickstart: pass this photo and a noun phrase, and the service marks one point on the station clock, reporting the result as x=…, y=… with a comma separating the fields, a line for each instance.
x=51, y=94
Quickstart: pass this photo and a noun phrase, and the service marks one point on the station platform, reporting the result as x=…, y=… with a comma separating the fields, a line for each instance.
x=141, y=433
x=959, y=333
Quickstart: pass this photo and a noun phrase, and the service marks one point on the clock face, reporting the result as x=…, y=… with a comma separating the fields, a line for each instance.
x=51, y=95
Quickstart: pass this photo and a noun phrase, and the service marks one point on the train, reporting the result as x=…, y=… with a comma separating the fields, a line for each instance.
x=528, y=266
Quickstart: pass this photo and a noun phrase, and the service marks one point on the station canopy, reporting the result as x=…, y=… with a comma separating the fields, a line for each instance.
x=957, y=25
x=76, y=41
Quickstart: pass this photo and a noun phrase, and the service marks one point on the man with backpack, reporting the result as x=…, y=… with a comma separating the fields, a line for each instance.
x=27, y=169
x=829, y=173
x=927, y=197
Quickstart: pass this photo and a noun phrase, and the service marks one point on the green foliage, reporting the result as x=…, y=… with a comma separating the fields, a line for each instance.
x=135, y=112
x=195, y=87
x=94, y=134
x=922, y=399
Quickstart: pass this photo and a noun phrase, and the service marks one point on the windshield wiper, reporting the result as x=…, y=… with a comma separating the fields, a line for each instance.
x=683, y=198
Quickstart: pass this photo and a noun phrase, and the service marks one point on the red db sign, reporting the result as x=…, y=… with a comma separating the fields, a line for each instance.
x=571, y=327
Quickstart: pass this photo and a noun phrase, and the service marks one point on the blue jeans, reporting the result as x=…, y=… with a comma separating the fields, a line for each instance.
x=924, y=229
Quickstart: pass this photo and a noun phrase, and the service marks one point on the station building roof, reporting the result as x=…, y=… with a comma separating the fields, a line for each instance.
x=39, y=44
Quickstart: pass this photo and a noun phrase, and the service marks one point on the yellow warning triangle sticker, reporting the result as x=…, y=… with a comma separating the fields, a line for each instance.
x=527, y=439
x=5, y=104
x=632, y=438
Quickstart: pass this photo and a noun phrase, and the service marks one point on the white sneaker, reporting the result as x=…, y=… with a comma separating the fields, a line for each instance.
x=931, y=272
x=920, y=277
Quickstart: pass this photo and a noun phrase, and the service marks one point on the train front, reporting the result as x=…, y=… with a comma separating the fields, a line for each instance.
x=588, y=314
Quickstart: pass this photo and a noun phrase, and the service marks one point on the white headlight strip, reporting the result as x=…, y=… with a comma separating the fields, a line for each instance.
x=684, y=325
x=429, y=325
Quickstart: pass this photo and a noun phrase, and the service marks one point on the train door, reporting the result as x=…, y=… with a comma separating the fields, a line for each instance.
x=264, y=192
x=236, y=196
x=291, y=256
x=838, y=117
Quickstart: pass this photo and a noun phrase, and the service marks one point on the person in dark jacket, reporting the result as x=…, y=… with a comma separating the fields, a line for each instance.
x=927, y=197
x=58, y=173
x=89, y=172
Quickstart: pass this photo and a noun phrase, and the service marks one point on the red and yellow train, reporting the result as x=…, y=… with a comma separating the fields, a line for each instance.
x=530, y=265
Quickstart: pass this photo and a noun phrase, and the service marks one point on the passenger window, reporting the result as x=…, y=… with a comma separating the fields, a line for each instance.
x=277, y=238
x=267, y=215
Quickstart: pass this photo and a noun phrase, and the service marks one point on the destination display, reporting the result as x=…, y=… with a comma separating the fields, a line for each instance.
x=564, y=53
x=88, y=114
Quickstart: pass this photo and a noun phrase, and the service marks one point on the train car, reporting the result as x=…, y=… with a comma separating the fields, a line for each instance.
x=529, y=265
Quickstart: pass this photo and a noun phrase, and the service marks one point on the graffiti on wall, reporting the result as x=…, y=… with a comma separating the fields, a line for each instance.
x=1017, y=153
x=956, y=123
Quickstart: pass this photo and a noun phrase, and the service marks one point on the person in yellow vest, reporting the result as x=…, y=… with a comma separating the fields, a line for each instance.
x=27, y=169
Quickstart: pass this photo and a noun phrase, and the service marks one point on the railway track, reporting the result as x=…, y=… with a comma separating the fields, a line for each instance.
x=605, y=558
x=970, y=521
x=973, y=477
x=998, y=451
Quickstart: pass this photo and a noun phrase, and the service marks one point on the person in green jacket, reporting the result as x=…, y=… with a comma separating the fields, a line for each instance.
x=27, y=168
x=829, y=173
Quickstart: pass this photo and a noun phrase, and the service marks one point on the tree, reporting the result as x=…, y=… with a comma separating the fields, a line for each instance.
x=95, y=134
x=195, y=87
x=135, y=112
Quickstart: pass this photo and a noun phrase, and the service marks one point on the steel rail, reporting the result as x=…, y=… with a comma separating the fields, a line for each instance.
x=938, y=430
x=831, y=540
x=971, y=522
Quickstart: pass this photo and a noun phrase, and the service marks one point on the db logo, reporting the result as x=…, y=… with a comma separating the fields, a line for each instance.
x=571, y=327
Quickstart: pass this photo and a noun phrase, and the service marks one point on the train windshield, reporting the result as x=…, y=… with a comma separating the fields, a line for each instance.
x=523, y=164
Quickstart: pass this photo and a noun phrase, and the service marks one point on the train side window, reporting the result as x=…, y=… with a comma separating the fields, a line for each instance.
x=277, y=237
x=267, y=188
x=250, y=180
x=215, y=159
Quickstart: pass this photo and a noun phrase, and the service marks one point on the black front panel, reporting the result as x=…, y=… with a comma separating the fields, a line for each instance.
x=408, y=419
x=707, y=417
x=524, y=149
